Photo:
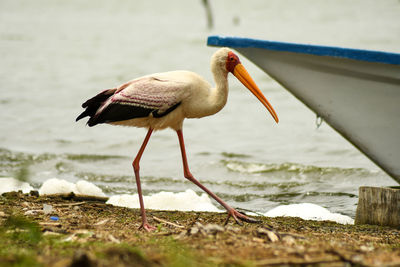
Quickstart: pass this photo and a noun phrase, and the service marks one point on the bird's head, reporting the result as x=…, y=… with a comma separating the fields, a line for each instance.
x=230, y=62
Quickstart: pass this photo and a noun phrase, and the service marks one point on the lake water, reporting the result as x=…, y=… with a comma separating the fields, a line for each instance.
x=57, y=54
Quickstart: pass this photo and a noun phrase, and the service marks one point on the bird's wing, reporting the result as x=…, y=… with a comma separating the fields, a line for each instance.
x=150, y=92
x=93, y=104
x=140, y=98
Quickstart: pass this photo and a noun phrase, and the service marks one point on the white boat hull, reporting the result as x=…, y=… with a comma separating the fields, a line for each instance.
x=357, y=94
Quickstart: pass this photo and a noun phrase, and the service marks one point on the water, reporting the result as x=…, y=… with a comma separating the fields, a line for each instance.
x=55, y=55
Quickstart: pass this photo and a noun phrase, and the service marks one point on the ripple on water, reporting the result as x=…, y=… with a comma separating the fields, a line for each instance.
x=259, y=184
x=251, y=167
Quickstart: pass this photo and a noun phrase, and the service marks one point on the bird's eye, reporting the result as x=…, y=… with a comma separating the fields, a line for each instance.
x=232, y=58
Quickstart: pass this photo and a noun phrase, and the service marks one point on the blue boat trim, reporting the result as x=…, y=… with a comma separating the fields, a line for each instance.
x=356, y=54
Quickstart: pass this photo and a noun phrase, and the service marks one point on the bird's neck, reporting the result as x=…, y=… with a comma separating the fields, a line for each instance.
x=219, y=94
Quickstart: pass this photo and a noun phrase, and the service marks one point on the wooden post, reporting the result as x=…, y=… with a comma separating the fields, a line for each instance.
x=378, y=205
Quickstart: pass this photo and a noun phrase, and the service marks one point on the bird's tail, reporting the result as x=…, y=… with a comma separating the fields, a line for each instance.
x=93, y=104
x=83, y=115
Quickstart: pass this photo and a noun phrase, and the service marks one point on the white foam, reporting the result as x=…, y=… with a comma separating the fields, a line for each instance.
x=9, y=184
x=57, y=186
x=87, y=188
x=60, y=186
x=183, y=201
x=309, y=211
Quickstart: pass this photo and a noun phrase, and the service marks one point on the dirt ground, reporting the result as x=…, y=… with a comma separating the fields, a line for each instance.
x=80, y=231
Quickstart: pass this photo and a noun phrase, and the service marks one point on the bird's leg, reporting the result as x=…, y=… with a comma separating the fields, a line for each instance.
x=231, y=211
x=145, y=225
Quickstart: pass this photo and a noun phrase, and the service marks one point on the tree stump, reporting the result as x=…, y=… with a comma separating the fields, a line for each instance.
x=379, y=206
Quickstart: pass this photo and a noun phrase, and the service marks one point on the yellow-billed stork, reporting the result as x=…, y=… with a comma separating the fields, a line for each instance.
x=163, y=100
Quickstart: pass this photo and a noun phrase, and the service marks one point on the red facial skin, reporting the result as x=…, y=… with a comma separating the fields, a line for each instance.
x=231, y=61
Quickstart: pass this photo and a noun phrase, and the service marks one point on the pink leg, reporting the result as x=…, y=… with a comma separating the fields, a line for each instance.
x=231, y=211
x=145, y=225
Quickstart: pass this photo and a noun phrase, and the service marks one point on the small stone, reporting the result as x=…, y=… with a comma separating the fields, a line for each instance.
x=51, y=233
x=194, y=230
x=181, y=235
x=289, y=240
x=357, y=258
x=32, y=212
x=270, y=234
x=233, y=229
x=113, y=239
x=258, y=240
x=213, y=229
x=366, y=248
x=70, y=238
x=101, y=222
x=34, y=193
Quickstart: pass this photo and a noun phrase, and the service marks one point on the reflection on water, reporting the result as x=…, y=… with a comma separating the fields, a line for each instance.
x=55, y=55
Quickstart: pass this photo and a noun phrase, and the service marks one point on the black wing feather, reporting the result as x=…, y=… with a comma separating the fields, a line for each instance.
x=116, y=111
x=119, y=112
x=94, y=103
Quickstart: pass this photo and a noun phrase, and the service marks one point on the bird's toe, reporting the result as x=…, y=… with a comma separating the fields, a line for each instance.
x=239, y=217
x=147, y=227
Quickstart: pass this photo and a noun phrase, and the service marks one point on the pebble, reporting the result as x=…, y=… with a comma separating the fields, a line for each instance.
x=289, y=240
x=270, y=234
x=32, y=212
x=213, y=228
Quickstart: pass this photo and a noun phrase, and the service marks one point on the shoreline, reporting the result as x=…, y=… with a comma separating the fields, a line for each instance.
x=91, y=231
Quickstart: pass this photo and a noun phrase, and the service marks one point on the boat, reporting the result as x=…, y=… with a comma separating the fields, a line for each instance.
x=357, y=92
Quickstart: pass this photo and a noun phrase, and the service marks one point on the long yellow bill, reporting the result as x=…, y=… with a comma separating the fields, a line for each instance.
x=244, y=77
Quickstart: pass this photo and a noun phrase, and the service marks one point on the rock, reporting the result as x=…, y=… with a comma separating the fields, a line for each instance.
x=272, y=236
x=209, y=229
x=213, y=229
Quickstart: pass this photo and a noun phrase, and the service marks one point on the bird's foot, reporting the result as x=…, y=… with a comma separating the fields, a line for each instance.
x=147, y=227
x=239, y=217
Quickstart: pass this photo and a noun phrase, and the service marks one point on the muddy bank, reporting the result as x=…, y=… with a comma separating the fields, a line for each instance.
x=87, y=232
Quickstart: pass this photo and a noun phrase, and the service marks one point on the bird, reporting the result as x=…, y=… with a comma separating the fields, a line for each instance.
x=164, y=100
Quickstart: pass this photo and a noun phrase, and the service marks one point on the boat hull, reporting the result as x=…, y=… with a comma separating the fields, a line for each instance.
x=358, y=95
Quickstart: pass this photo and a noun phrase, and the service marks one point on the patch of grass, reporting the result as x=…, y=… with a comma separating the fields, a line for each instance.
x=22, y=229
x=22, y=244
x=125, y=254
x=177, y=254
x=19, y=239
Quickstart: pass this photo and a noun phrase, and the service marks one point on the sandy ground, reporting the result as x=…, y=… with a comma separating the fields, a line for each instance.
x=90, y=233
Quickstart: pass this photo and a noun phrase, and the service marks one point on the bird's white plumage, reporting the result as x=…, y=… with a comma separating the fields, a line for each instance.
x=161, y=91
